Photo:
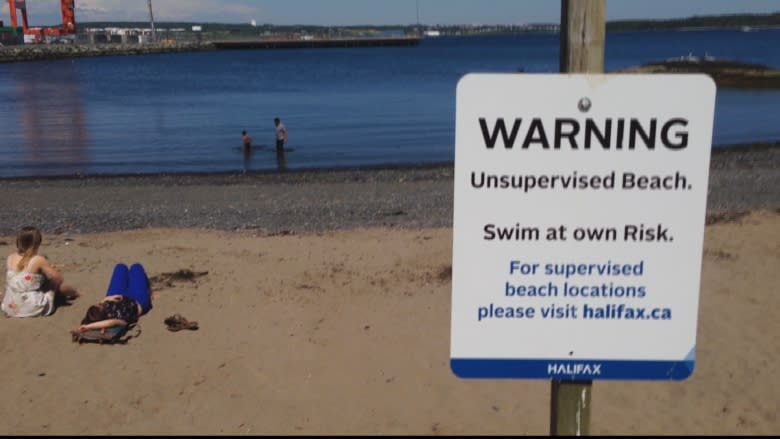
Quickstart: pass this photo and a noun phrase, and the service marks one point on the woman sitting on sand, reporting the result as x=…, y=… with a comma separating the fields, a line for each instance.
x=128, y=297
x=32, y=283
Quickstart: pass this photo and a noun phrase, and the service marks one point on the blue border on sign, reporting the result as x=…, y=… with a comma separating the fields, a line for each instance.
x=567, y=369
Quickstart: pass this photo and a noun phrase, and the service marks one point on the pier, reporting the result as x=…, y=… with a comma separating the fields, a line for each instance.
x=32, y=52
x=315, y=43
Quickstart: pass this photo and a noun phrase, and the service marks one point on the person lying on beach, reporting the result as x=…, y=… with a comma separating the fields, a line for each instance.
x=128, y=297
x=32, y=282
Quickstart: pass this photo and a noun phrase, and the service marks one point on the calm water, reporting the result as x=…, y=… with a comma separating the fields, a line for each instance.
x=343, y=107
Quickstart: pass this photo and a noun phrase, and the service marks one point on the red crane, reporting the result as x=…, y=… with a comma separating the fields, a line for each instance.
x=67, y=9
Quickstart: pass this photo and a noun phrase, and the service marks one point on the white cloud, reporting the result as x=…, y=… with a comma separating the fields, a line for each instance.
x=47, y=11
x=91, y=7
x=111, y=10
x=203, y=10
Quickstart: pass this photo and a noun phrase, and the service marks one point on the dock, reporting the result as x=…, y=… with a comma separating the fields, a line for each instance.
x=314, y=43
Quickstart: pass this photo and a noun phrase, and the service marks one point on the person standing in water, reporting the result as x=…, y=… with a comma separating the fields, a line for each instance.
x=246, y=141
x=281, y=134
x=281, y=140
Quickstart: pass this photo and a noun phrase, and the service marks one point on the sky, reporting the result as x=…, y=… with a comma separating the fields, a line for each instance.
x=373, y=12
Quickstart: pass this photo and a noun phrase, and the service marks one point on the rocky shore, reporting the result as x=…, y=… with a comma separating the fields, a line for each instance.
x=741, y=178
x=725, y=73
x=58, y=51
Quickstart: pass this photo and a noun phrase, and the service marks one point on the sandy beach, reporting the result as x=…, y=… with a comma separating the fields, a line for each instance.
x=323, y=304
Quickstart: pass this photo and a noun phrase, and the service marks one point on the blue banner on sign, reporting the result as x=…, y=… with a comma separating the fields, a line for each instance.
x=572, y=369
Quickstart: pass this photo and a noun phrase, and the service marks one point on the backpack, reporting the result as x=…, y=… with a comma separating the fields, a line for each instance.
x=113, y=335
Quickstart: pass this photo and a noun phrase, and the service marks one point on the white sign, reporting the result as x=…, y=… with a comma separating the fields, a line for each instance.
x=578, y=226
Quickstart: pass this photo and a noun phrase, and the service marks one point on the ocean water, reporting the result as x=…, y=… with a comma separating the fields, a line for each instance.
x=343, y=107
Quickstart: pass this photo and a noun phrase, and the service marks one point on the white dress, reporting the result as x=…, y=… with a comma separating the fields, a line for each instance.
x=24, y=296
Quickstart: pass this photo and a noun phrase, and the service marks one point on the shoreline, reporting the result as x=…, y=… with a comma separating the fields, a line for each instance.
x=311, y=201
x=293, y=174
x=757, y=152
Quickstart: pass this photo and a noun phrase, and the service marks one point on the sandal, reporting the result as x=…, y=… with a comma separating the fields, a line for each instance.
x=177, y=322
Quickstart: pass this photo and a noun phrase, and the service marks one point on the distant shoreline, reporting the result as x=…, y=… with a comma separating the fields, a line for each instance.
x=45, y=52
x=743, y=21
x=28, y=52
x=39, y=52
x=726, y=73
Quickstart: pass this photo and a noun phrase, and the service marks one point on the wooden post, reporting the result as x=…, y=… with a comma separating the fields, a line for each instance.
x=570, y=408
x=582, y=36
x=583, y=31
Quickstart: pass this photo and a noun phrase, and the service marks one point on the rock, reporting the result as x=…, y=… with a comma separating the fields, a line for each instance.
x=725, y=73
x=54, y=51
